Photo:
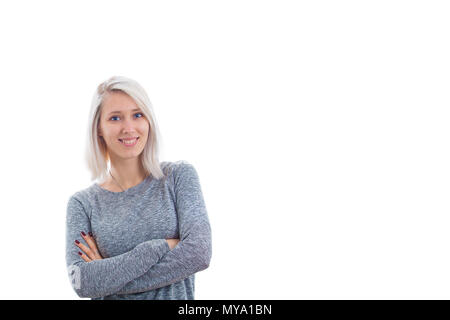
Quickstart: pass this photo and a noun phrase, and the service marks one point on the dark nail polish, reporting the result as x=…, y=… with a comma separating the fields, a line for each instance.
x=77, y=242
x=83, y=234
x=80, y=253
x=90, y=233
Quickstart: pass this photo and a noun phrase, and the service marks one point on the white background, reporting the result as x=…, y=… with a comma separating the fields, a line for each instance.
x=319, y=130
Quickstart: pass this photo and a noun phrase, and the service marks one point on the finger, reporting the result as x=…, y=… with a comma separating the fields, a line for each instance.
x=86, y=250
x=84, y=257
x=91, y=242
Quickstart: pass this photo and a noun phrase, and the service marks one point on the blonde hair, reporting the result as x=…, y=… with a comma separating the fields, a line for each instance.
x=97, y=156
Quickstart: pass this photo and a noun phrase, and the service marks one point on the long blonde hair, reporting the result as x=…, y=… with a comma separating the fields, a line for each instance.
x=96, y=151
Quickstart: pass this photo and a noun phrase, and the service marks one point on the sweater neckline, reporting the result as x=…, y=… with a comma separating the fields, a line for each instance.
x=128, y=192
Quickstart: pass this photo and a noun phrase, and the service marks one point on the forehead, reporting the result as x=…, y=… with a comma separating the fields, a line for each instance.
x=118, y=101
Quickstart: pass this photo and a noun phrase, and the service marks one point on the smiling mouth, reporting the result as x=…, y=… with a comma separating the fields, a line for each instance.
x=129, y=142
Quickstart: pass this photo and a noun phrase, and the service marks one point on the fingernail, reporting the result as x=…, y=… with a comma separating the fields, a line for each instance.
x=83, y=234
x=80, y=253
x=77, y=242
x=90, y=233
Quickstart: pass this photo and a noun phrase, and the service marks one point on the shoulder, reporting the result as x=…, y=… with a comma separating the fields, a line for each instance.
x=82, y=199
x=84, y=195
x=178, y=169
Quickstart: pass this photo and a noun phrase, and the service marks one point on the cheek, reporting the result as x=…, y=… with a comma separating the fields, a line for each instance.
x=110, y=134
x=145, y=129
x=145, y=135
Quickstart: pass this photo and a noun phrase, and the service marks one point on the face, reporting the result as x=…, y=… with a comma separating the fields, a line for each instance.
x=123, y=126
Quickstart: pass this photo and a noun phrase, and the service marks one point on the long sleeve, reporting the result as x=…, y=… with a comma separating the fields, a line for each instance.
x=100, y=278
x=193, y=253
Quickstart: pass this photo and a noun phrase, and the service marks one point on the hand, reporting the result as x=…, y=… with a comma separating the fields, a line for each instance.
x=89, y=253
x=172, y=243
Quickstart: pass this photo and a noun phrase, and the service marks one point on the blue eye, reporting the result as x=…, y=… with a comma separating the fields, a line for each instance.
x=141, y=115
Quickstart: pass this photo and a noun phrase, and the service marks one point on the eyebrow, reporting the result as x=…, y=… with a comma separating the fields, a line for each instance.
x=121, y=112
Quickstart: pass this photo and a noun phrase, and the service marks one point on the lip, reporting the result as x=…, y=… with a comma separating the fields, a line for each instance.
x=131, y=145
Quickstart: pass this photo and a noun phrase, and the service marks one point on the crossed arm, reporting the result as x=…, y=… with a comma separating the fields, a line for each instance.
x=151, y=264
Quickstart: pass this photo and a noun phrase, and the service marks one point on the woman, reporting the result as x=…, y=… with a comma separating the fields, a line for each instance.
x=142, y=231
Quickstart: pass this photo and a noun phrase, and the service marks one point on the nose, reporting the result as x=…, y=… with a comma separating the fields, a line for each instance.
x=128, y=126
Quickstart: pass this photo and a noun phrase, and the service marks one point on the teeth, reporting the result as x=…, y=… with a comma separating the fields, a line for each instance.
x=129, y=142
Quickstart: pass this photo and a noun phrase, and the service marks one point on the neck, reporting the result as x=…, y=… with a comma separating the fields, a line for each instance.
x=128, y=172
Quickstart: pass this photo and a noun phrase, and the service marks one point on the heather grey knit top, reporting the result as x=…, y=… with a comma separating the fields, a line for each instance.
x=130, y=229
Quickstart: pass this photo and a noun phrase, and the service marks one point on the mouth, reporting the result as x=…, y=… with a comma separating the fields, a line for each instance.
x=129, y=142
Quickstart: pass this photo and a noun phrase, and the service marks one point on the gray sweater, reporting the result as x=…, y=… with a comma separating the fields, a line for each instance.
x=130, y=229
